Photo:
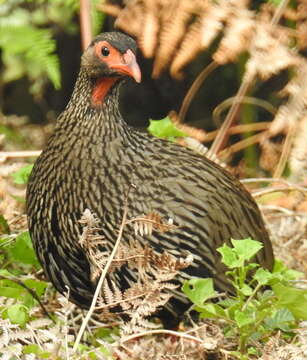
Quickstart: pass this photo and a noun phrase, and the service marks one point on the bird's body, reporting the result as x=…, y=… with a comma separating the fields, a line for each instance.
x=91, y=162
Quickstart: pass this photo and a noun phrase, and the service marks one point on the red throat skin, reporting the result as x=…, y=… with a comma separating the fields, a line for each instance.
x=101, y=89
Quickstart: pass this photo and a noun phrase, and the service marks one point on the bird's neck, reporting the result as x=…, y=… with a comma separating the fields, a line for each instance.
x=93, y=110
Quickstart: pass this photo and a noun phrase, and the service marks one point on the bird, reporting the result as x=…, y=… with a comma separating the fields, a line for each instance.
x=94, y=157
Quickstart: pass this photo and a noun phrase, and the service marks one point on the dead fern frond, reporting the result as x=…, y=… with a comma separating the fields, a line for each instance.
x=152, y=271
x=110, y=9
x=150, y=291
x=144, y=225
x=270, y=154
x=92, y=242
x=172, y=31
x=149, y=36
x=237, y=34
x=289, y=113
x=212, y=21
x=269, y=52
x=129, y=18
x=302, y=24
x=190, y=47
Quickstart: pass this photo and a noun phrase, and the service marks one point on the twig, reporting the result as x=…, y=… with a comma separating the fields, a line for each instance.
x=194, y=88
x=280, y=10
x=242, y=144
x=272, y=190
x=85, y=23
x=273, y=180
x=286, y=149
x=157, y=332
x=217, y=143
x=278, y=208
x=4, y=155
x=102, y=277
x=246, y=100
x=239, y=129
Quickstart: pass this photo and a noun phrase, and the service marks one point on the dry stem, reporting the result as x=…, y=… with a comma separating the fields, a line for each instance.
x=102, y=277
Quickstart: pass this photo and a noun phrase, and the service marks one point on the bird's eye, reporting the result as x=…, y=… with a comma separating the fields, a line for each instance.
x=105, y=51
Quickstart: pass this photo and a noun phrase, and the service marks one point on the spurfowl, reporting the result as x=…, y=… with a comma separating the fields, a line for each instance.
x=94, y=157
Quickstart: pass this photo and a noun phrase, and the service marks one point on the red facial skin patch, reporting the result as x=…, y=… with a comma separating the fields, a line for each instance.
x=103, y=85
x=124, y=64
x=101, y=89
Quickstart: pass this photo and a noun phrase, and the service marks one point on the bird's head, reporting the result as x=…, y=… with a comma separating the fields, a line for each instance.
x=111, y=54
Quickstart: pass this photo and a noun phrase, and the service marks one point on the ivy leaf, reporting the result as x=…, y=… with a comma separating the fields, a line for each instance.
x=246, y=248
x=165, y=129
x=199, y=290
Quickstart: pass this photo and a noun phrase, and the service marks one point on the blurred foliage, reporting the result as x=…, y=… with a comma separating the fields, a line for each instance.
x=165, y=129
x=21, y=176
x=27, y=38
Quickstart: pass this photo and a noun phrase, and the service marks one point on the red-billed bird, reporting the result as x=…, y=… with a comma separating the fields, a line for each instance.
x=91, y=161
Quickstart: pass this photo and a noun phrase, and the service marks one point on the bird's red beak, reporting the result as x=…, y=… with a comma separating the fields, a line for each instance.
x=129, y=66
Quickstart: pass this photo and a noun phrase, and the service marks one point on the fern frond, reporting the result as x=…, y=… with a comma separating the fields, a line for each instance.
x=35, y=50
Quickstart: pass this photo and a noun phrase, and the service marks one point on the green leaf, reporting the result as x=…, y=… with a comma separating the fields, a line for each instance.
x=280, y=320
x=243, y=319
x=21, y=176
x=286, y=273
x=263, y=276
x=36, y=350
x=36, y=285
x=107, y=334
x=165, y=129
x=243, y=250
x=246, y=290
x=199, y=290
x=275, y=2
x=33, y=48
x=18, y=314
x=4, y=227
x=211, y=311
x=229, y=257
x=295, y=300
x=23, y=251
x=5, y=273
x=11, y=292
x=246, y=248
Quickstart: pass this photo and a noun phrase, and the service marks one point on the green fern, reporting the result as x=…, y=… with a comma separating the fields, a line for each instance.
x=32, y=52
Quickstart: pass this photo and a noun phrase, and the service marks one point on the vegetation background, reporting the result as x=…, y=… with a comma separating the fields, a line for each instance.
x=231, y=75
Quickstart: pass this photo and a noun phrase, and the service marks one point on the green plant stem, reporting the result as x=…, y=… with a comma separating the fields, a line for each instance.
x=251, y=297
